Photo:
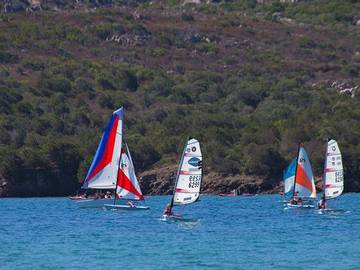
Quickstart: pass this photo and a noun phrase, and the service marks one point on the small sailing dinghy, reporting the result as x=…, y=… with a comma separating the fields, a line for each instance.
x=303, y=189
x=333, y=174
x=188, y=179
x=102, y=174
x=233, y=193
x=105, y=170
x=127, y=187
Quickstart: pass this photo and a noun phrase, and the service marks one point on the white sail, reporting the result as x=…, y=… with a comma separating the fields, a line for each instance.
x=127, y=184
x=187, y=189
x=333, y=172
x=103, y=171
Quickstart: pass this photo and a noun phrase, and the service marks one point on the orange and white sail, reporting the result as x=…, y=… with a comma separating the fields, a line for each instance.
x=304, y=178
x=127, y=183
x=333, y=171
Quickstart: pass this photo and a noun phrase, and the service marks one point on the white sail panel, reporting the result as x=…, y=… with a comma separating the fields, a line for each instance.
x=333, y=173
x=103, y=171
x=188, y=184
x=128, y=185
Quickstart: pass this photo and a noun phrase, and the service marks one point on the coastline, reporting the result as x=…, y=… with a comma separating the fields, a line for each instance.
x=157, y=181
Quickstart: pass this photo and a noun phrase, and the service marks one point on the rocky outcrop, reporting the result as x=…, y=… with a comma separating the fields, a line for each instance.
x=158, y=181
x=161, y=181
x=344, y=87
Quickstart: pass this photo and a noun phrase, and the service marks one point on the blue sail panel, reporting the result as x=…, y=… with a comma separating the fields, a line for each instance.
x=289, y=177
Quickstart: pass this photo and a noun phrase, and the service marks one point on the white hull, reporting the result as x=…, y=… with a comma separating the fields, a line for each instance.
x=93, y=203
x=126, y=207
x=289, y=205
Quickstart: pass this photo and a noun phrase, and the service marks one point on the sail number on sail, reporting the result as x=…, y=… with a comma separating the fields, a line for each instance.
x=194, y=181
x=339, y=177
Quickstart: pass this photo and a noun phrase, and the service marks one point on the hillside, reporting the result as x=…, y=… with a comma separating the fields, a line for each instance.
x=249, y=80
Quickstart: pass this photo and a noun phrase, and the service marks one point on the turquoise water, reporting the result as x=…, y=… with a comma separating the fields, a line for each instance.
x=222, y=233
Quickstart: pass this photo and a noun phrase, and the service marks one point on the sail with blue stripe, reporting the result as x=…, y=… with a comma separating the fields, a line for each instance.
x=289, y=178
x=103, y=171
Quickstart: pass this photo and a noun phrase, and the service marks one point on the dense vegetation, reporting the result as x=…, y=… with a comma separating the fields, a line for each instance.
x=248, y=80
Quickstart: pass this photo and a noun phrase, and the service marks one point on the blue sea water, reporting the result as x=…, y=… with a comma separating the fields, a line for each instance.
x=221, y=233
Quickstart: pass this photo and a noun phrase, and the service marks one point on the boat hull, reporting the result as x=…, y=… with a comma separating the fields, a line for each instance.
x=125, y=207
x=289, y=205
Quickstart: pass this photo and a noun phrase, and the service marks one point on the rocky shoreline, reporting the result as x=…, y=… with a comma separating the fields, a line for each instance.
x=161, y=180
x=158, y=181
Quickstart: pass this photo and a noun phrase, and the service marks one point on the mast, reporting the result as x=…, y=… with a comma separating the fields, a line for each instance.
x=119, y=164
x=324, y=175
x=297, y=162
x=117, y=178
x=178, y=172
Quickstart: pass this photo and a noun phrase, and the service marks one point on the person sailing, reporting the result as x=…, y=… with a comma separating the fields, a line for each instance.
x=131, y=204
x=168, y=210
x=294, y=200
x=322, y=203
x=299, y=201
x=108, y=195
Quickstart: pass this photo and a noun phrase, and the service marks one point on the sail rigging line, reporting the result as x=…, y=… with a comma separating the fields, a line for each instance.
x=324, y=175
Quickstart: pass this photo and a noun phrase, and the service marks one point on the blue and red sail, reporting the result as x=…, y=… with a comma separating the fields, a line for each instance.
x=102, y=172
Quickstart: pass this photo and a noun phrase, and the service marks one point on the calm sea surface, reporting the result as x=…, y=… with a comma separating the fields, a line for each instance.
x=222, y=233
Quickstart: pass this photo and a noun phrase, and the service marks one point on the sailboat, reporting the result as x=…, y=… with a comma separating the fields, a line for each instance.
x=232, y=193
x=127, y=186
x=106, y=167
x=333, y=174
x=188, y=178
x=303, y=191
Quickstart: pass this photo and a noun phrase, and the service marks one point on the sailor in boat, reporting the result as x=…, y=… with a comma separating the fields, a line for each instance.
x=296, y=200
x=108, y=195
x=322, y=203
x=131, y=204
x=99, y=195
x=293, y=201
x=299, y=201
x=168, y=210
